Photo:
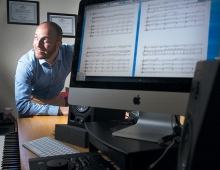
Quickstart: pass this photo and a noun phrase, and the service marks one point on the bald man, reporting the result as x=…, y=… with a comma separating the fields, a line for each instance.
x=41, y=73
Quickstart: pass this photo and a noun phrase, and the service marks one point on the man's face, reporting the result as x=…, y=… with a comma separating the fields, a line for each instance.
x=45, y=42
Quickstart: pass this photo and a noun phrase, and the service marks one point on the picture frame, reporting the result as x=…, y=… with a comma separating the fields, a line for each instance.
x=23, y=12
x=66, y=21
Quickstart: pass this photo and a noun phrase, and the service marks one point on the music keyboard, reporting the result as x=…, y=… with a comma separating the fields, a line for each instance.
x=9, y=151
x=2, y=142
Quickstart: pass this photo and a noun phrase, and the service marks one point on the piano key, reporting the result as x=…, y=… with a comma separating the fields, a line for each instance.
x=9, y=148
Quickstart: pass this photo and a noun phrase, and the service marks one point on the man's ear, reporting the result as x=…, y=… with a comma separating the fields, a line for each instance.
x=59, y=43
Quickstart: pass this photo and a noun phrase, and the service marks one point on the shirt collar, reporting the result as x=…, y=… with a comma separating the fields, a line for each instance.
x=42, y=61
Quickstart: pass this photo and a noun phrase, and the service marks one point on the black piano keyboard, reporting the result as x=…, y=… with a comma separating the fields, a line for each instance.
x=11, y=155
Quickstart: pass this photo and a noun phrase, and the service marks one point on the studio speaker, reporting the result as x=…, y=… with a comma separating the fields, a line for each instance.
x=78, y=115
x=199, y=145
x=74, y=131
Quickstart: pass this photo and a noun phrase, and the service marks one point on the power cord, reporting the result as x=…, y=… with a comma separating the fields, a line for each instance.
x=153, y=164
x=177, y=120
x=175, y=136
x=166, y=139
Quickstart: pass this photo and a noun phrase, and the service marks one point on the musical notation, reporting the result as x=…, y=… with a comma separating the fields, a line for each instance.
x=140, y=26
x=117, y=22
x=112, y=17
x=107, y=59
x=106, y=65
x=109, y=51
x=157, y=19
x=98, y=13
x=185, y=49
x=175, y=20
x=183, y=65
x=125, y=27
x=109, y=47
x=173, y=5
x=176, y=65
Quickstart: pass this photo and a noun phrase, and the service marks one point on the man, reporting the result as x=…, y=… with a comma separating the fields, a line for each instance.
x=41, y=73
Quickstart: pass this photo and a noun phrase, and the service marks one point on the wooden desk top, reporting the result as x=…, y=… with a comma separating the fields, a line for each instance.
x=37, y=127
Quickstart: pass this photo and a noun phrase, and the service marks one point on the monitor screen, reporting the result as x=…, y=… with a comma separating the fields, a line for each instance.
x=141, y=55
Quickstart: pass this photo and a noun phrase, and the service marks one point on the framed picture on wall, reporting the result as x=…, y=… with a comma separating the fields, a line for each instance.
x=23, y=12
x=66, y=21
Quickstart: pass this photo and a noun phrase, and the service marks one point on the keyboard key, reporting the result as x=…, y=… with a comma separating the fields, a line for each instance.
x=48, y=146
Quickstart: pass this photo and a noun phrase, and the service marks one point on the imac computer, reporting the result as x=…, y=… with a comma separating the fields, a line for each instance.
x=140, y=55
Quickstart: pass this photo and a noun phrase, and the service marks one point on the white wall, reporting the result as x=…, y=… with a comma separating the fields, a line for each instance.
x=16, y=40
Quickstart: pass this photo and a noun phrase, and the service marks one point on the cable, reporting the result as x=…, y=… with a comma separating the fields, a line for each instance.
x=175, y=136
x=177, y=120
x=153, y=164
x=177, y=130
x=166, y=138
x=172, y=121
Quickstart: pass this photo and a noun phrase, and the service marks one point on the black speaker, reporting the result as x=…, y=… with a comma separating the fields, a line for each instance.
x=199, y=146
x=74, y=132
x=78, y=115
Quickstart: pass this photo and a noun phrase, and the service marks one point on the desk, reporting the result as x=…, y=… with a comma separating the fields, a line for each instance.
x=128, y=154
x=37, y=127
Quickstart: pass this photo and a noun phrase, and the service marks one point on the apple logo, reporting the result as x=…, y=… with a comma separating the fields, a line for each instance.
x=136, y=100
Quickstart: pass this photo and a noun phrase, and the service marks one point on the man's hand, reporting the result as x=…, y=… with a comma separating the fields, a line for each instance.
x=63, y=111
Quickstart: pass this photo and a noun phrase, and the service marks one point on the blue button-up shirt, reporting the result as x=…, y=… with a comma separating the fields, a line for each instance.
x=36, y=77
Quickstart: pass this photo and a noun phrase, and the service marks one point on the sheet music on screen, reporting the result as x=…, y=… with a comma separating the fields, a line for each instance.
x=159, y=38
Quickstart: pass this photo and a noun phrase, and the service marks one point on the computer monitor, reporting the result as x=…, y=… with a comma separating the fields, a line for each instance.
x=141, y=55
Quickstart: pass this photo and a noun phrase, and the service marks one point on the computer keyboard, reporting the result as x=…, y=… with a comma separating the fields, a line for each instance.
x=47, y=146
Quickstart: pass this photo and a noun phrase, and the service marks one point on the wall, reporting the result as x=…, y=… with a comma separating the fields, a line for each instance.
x=16, y=40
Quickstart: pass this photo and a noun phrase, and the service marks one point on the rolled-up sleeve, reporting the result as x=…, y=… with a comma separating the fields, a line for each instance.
x=23, y=80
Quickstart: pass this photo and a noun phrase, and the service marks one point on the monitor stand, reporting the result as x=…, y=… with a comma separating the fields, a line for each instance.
x=149, y=127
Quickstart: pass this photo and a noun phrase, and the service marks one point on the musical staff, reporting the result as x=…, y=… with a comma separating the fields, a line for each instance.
x=183, y=65
x=185, y=49
x=110, y=47
x=107, y=59
x=98, y=13
x=175, y=20
x=173, y=5
x=106, y=65
x=156, y=18
x=117, y=22
x=112, y=17
x=176, y=65
x=111, y=29
x=148, y=38
x=108, y=51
